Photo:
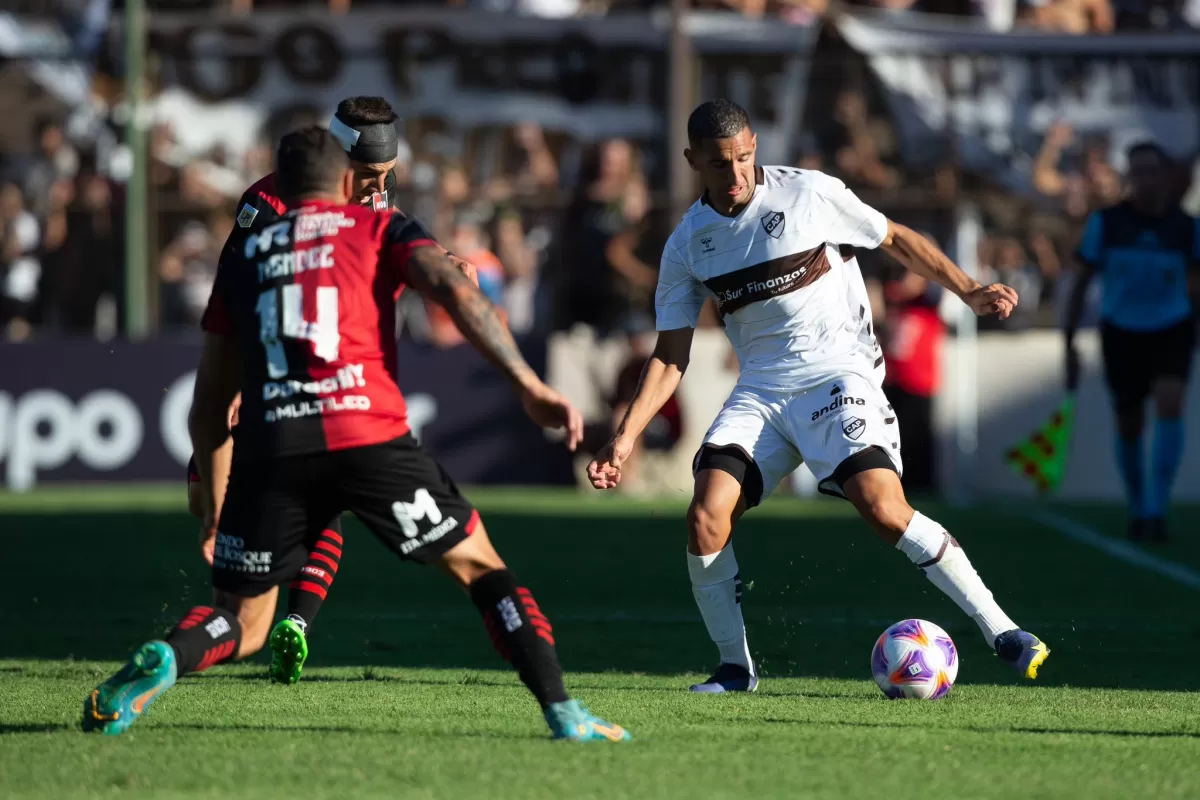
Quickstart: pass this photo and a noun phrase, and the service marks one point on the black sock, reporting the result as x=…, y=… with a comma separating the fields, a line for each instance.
x=307, y=592
x=204, y=638
x=520, y=633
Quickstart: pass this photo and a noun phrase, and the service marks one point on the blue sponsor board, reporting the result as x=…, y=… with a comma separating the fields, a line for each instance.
x=79, y=410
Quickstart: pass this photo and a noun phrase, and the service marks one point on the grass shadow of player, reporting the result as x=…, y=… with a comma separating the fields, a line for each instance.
x=8, y=729
x=353, y=729
x=926, y=725
x=819, y=589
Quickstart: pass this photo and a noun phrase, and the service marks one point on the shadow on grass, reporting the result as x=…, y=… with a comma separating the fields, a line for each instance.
x=929, y=725
x=618, y=595
x=36, y=727
x=425, y=734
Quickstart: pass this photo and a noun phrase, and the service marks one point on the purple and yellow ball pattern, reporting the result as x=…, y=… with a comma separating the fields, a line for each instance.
x=915, y=659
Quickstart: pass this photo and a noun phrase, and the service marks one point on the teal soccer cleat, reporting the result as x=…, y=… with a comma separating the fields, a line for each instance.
x=571, y=721
x=118, y=702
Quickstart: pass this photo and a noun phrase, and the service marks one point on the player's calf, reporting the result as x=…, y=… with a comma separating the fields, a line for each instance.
x=306, y=594
x=523, y=636
x=878, y=496
x=713, y=569
x=205, y=637
x=309, y=590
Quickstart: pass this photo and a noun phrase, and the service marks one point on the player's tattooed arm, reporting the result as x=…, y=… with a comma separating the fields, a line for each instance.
x=922, y=256
x=432, y=273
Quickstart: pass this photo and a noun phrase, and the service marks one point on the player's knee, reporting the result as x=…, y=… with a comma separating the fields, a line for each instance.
x=708, y=528
x=889, y=516
x=472, y=558
x=879, y=498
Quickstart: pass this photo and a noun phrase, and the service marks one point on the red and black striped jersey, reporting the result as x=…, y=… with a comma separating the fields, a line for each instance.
x=311, y=299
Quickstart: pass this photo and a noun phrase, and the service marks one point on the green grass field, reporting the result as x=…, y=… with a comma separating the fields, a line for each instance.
x=403, y=696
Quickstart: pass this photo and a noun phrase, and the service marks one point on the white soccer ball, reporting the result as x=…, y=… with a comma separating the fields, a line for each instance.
x=914, y=658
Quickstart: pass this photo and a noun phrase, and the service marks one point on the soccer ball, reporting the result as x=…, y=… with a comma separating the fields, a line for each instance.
x=914, y=658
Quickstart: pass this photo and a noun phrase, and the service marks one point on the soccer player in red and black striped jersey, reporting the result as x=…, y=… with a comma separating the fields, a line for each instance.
x=302, y=327
x=366, y=129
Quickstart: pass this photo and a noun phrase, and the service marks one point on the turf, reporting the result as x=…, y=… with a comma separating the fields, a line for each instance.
x=403, y=696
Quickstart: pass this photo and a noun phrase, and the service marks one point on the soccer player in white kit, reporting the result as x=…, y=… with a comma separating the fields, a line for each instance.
x=767, y=244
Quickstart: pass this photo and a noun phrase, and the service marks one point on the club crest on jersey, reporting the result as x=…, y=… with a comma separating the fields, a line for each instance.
x=773, y=222
x=245, y=217
x=379, y=200
x=853, y=427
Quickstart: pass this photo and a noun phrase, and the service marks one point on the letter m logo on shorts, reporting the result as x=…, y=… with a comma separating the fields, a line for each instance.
x=409, y=514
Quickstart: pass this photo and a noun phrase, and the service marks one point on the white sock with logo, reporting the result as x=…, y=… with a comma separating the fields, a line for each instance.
x=718, y=592
x=930, y=547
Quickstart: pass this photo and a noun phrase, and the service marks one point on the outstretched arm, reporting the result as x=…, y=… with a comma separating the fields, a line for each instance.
x=660, y=378
x=431, y=272
x=923, y=257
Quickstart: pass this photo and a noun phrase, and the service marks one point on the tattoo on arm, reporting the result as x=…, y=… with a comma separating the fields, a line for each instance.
x=434, y=275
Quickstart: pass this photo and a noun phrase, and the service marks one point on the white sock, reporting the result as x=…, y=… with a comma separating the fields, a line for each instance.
x=930, y=547
x=299, y=620
x=718, y=592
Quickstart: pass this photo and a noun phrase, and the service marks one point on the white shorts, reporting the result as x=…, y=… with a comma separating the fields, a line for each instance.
x=839, y=429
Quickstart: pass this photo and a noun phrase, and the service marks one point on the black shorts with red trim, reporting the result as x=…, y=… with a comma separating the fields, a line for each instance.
x=275, y=510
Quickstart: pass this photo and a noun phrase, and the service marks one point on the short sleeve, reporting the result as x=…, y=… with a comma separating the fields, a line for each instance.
x=853, y=222
x=679, y=296
x=1092, y=242
x=402, y=235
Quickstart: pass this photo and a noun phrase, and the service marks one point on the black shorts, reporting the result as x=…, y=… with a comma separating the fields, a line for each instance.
x=193, y=476
x=1133, y=360
x=275, y=510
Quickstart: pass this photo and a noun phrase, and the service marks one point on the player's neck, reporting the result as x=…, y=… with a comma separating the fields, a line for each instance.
x=735, y=208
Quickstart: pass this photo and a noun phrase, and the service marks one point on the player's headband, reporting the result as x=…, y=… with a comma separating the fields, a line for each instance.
x=368, y=144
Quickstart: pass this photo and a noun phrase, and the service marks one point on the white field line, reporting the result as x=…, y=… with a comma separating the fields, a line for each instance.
x=1122, y=551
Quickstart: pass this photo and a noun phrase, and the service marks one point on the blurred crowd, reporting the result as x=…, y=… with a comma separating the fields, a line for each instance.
x=1062, y=16
x=565, y=233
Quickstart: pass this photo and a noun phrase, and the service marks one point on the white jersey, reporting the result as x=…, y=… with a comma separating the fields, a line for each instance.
x=795, y=310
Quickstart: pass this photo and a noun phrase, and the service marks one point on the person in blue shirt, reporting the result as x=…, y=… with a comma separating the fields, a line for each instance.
x=1145, y=250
